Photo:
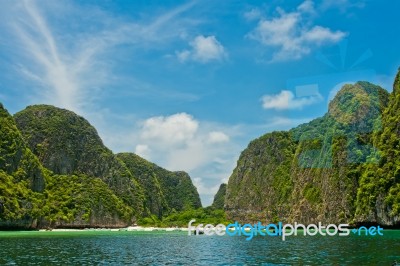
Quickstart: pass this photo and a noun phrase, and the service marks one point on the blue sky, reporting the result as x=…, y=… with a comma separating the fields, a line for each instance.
x=187, y=84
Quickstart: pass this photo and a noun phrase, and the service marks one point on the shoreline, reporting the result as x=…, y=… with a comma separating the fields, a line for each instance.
x=124, y=229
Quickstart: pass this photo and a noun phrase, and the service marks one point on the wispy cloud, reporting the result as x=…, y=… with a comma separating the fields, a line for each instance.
x=70, y=68
x=292, y=34
x=55, y=75
x=71, y=65
x=160, y=22
x=342, y=5
x=253, y=14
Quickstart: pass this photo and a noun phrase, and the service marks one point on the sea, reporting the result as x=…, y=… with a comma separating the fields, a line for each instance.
x=177, y=248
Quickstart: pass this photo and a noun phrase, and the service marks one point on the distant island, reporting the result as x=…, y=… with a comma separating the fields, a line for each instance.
x=344, y=167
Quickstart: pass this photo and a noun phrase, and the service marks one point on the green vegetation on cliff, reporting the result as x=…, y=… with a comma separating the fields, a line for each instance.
x=341, y=167
x=378, y=197
x=207, y=215
x=219, y=198
x=20, y=204
x=165, y=191
x=82, y=201
x=21, y=176
x=67, y=144
x=56, y=172
x=261, y=182
x=15, y=157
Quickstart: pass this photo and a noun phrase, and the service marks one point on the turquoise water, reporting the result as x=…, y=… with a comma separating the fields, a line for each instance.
x=177, y=248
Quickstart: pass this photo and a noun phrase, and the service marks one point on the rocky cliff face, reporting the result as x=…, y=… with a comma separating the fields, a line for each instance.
x=261, y=179
x=219, y=198
x=164, y=190
x=22, y=178
x=31, y=196
x=66, y=144
x=378, y=196
x=56, y=172
x=16, y=158
x=312, y=173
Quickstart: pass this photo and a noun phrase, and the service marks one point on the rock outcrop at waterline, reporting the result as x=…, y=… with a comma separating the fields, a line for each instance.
x=341, y=168
x=56, y=172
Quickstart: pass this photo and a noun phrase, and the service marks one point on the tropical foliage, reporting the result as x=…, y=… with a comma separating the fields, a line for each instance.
x=56, y=172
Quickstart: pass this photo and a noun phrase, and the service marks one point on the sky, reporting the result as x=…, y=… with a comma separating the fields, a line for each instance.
x=188, y=84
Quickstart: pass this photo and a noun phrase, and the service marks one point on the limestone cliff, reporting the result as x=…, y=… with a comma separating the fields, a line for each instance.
x=22, y=177
x=66, y=144
x=55, y=172
x=378, y=196
x=312, y=173
x=164, y=190
x=16, y=158
x=33, y=197
x=219, y=198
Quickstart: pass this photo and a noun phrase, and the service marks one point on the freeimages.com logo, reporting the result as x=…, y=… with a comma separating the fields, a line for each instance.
x=281, y=230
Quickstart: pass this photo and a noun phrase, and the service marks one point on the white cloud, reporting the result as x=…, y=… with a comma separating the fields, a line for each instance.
x=183, y=56
x=286, y=100
x=319, y=35
x=306, y=7
x=293, y=34
x=204, y=49
x=205, y=189
x=217, y=137
x=143, y=151
x=181, y=142
x=175, y=129
x=253, y=14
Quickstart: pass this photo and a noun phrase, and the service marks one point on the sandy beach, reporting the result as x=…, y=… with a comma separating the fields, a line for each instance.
x=130, y=228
